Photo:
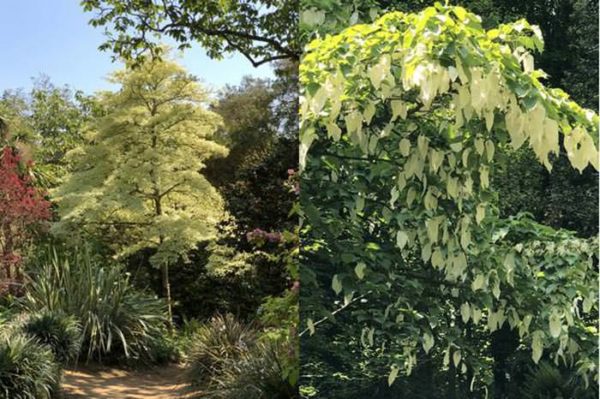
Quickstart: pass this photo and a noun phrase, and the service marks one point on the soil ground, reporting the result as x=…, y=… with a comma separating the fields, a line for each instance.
x=97, y=382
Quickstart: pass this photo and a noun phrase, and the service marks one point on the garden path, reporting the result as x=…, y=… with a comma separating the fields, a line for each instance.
x=97, y=382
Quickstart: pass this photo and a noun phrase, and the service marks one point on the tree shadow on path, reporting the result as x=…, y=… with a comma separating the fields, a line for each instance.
x=97, y=382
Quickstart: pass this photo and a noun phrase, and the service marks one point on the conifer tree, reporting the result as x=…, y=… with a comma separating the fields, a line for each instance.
x=137, y=182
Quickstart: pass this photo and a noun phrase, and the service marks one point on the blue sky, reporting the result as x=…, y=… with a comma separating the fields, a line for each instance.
x=52, y=37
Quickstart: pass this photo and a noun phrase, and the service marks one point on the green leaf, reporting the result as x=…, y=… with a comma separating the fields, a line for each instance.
x=398, y=109
x=537, y=346
x=554, y=324
x=370, y=336
x=437, y=259
x=401, y=239
x=311, y=326
x=360, y=203
x=405, y=147
x=478, y=282
x=460, y=12
x=360, y=270
x=456, y=357
x=465, y=312
x=336, y=284
x=393, y=375
x=428, y=342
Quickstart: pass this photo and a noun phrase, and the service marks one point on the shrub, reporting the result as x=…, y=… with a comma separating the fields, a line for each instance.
x=186, y=336
x=228, y=361
x=258, y=374
x=548, y=381
x=215, y=346
x=60, y=332
x=116, y=319
x=27, y=368
x=164, y=349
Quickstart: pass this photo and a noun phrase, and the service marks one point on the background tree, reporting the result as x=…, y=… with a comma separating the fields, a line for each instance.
x=137, y=183
x=260, y=131
x=262, y=150
x=14, y=108
x=261, y=30
x=50, y=120
x=57, y=116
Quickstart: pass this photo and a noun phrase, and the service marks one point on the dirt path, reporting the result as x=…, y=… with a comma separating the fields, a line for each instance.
x=96, y=382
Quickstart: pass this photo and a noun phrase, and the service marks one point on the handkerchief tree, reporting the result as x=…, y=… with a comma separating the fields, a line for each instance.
x=402, y=123
x=137, y=180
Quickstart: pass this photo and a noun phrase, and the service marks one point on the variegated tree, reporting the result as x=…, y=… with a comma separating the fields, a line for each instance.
x=137, y=181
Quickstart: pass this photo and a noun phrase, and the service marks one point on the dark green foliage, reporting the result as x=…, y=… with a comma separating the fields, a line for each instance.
x=164, y=349
x=257, y=374
x=27, y=368
x=257, y=195
x=548, y=381
x=59, y=332
x=563, y=198
x=261, y=135
x=197, y=293
x=116, y=319
x=229, y=361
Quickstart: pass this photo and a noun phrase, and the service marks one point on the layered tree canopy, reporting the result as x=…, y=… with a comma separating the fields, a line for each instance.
x=403, y=123
x=137, y=177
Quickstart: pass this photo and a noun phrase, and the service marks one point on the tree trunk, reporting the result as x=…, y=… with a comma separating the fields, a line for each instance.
x=167, y=294
x=166, y=285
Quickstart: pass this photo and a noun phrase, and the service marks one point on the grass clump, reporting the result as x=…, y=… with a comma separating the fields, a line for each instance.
x=117, y=320
x=27, y=368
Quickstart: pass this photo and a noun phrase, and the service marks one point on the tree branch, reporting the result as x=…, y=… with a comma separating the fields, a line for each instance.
x=316, y=323
x=171, y=188
x=358, y=158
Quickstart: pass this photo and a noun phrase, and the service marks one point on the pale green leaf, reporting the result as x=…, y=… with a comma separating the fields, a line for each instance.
x=428, y=342
x=401, y=239
x=393, y=375
x=360, y=270
x=336, y=284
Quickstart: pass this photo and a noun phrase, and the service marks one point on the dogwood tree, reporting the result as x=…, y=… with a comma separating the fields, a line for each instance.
x=137, y=180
